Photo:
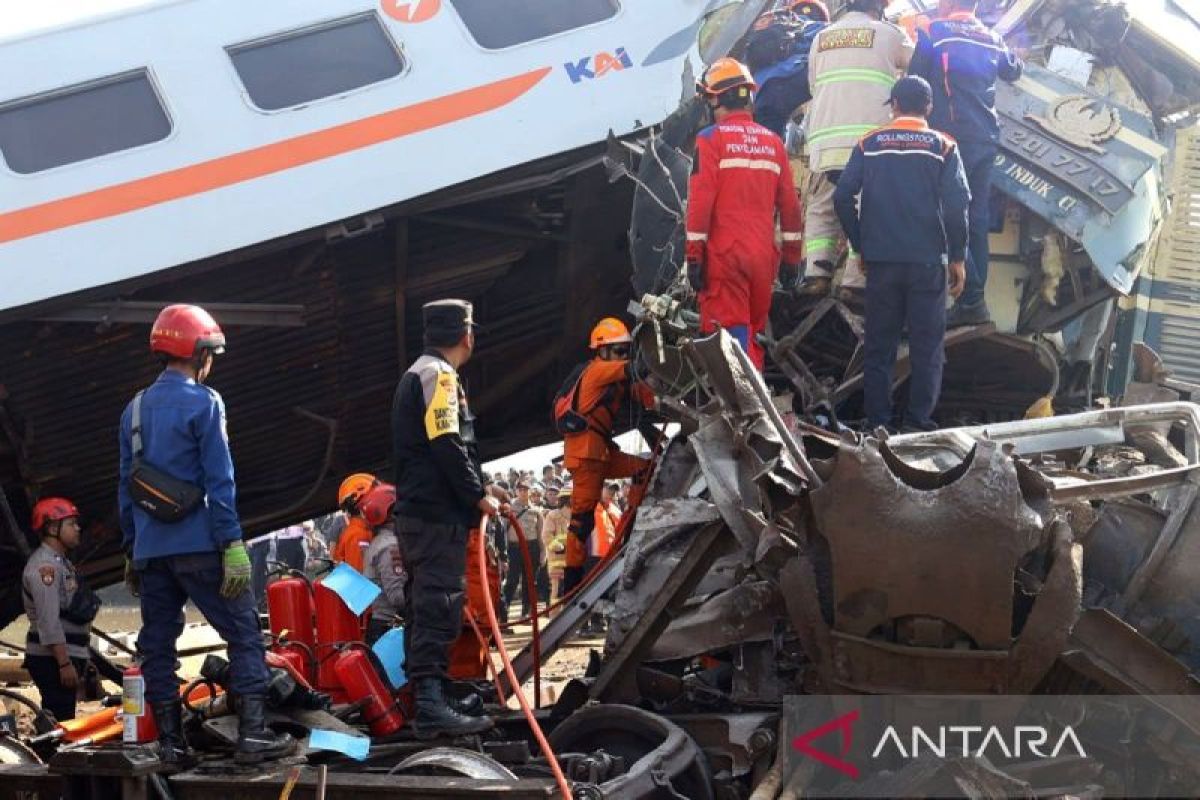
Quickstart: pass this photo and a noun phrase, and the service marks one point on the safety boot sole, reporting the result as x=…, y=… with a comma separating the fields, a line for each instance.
x=473, y=726
x=245, y=757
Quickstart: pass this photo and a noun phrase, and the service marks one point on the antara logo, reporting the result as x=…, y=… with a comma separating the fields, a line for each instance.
x=945, y=741
x=598, y=66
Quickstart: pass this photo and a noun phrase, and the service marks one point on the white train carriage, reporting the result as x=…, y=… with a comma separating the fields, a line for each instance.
x=181, y=129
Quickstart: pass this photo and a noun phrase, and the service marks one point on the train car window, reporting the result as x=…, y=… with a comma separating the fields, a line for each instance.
x=496, y=26
x=302, y=66
x=79, y=122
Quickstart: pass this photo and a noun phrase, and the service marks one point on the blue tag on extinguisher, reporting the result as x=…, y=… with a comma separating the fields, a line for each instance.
x=390, y=650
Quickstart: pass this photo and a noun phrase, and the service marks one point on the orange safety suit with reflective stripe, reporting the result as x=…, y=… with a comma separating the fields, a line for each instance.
x=740, y=179
x=352, y=545
x=591, y=456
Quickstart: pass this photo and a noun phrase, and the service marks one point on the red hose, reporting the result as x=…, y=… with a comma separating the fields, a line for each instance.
x=487, y=646
x=531, y=589
x=543, y=743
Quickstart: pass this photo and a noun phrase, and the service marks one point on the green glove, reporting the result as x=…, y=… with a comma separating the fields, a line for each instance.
x=132, y=579
x=237, y=570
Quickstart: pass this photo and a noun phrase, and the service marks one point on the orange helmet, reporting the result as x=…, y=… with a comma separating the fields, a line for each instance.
x=354, y=488
x=811, y=9
x=377, y=505
x=726, y=74
x=609, y=330
x=52, y=509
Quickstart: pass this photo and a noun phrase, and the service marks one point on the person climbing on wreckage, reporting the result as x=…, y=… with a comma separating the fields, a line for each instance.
x=777, y=54
x=585, y=412
x=740, y=179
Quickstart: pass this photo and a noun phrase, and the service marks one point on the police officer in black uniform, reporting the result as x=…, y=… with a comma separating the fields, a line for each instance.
x=440, y=485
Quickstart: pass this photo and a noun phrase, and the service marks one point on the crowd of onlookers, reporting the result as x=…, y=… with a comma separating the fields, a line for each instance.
x=541, y=506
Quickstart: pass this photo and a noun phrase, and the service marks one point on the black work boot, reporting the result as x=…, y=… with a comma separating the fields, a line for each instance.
x=814, y=286
x=435, y=716
x=464, y=700
x=173, y=751
x=961, y=314
x=256, y=742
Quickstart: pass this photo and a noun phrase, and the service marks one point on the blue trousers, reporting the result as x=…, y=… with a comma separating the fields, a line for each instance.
x=168, y=583
x=979, y=159
x=900, y=295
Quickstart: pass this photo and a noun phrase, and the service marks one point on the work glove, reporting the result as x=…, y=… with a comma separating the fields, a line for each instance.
x=789, y=276
x=133, y=580
x=236, y=568
x=695, y=276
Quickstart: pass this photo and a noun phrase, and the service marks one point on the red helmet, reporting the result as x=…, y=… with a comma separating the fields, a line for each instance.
x=52, y=509
x=181, y=331
x=376, y=506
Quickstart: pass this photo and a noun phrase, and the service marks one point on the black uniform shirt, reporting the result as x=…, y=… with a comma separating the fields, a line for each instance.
x=438, y=474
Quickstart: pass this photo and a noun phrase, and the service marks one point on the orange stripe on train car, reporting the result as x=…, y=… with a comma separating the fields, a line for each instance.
x=247, y=165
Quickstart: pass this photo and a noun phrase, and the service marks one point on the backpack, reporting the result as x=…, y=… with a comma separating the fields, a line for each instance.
x=567, y=419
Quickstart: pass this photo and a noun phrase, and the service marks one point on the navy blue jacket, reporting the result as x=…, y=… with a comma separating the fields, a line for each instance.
x=783, y=86
x=961, y=58
x=914, y=195
x=183, y=434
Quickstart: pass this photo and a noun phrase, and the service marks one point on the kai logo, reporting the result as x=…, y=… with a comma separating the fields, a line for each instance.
x=598, y=66
x=411, y=11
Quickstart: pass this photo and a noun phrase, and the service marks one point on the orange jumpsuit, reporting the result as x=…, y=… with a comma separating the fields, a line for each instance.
x=352, y=545
x=591, y=456
x=605, y=533
x=468, y=655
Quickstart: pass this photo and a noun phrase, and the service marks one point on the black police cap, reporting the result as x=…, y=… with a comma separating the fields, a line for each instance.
x=448, y=317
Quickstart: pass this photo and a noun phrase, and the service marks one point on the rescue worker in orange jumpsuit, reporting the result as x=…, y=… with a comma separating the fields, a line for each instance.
x=740, y=179
x=356, y=537
x=591, y=455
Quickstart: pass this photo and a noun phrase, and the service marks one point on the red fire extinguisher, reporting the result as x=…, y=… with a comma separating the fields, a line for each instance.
x=336, y=625
x=290, y=608
x=362, y=683
x=290, y=611
x=138, y=718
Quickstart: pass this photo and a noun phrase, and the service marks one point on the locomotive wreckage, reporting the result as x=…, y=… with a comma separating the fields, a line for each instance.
x=776, y=554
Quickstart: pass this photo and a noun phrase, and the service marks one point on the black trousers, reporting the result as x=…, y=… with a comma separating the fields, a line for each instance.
x=290, y=552
x=56, y=698
x=979, y=159
x=435, y=555
x=901, y=295
x=516, y=575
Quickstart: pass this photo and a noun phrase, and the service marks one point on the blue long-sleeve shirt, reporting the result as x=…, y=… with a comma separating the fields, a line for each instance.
x=914, y=191
x=962, y=58
x=783, y=86
x=183, y=434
